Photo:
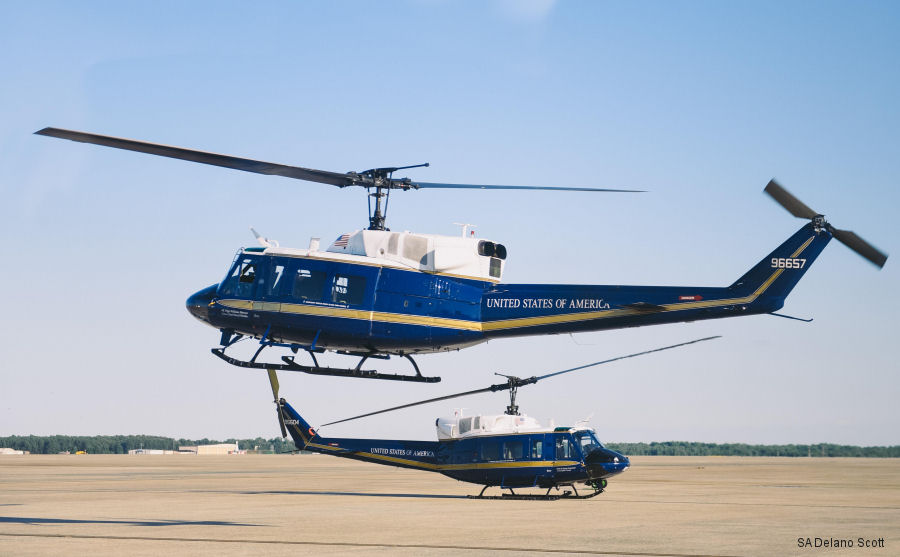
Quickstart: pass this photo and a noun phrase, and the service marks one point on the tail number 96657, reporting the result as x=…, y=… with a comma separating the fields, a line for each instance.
x=788, y=263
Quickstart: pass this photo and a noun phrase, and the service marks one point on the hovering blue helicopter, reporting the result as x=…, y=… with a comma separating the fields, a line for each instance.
x=510, y=450
x=375, y=293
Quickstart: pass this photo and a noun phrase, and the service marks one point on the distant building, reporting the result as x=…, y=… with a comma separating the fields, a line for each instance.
x=222, y=448
x=153, y=451
x=10, y=451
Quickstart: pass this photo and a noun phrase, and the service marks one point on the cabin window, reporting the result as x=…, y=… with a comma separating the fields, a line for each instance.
x=465, y=451
x=240, y=281
x=495, y=267
x=512, y=450
x=537, y=450
x=564, y=449
x=308, y=285
x=490, y=450
x=346, y=289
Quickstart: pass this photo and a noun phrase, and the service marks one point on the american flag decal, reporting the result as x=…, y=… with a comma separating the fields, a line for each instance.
x=342, y=240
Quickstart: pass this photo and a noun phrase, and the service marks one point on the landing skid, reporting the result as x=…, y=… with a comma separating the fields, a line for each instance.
x=290, y=365
x=513, y=496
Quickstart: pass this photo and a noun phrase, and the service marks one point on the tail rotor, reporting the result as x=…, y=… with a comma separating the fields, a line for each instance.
x=847, y=237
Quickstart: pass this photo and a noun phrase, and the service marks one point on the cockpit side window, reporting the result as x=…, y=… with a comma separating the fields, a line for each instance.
x=587, y=441
x=241, y=279
x=564, y=449
x=248, y=273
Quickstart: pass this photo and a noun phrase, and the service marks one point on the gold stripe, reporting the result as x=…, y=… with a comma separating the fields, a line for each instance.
x=553, y=319
x=346, y=313
x=237, y=304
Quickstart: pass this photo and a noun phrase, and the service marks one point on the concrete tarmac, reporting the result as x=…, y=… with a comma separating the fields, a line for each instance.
x=316, y=504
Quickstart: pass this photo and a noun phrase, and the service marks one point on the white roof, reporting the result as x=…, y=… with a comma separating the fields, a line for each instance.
x=431, y=253
x=476, y=426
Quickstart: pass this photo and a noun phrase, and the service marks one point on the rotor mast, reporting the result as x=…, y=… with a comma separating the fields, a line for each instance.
x=513, y=384
x=382, y=179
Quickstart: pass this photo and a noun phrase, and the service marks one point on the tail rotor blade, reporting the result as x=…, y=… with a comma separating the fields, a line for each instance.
x=860, y=246
x=846, y=237
x=793, y=205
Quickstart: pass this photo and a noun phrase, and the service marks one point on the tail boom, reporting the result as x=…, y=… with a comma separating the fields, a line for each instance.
x=419, y=455
x=520, y=310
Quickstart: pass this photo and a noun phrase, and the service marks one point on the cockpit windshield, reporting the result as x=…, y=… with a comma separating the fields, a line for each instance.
x=587, y=441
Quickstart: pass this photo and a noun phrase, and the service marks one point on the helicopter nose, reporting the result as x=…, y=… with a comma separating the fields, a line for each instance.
x=603, y=463
x=198, y=303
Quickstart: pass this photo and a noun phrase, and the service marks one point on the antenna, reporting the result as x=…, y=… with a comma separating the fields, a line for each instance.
x=465, y=228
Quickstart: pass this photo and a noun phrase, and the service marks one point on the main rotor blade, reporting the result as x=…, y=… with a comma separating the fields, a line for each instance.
x=498, y=387
x=274, y=169
x=860, y=246
x=788, y=201
x=626, y=357
x=273, y=380
x=226, y=161
x=435, y=185
x=517, y=381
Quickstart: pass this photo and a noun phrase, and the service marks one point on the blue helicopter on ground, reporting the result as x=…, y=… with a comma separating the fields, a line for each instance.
x=510, y=450
x=376, y=293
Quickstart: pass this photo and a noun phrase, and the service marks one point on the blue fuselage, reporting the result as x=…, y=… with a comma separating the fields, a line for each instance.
x=544, y=459
x=339, y=305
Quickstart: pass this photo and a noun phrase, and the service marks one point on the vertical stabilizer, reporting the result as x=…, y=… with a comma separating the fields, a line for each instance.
x=773, y=278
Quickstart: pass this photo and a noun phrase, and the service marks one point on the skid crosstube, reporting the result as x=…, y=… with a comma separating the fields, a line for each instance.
x=291, y=365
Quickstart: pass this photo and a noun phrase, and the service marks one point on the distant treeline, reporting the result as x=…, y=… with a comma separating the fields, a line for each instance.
x=688, y=448
x=121, y=444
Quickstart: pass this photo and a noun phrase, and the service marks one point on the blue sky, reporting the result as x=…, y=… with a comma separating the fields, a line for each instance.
x=701, y=103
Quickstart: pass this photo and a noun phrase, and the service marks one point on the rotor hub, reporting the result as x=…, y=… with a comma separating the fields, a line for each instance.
x=819, y=223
